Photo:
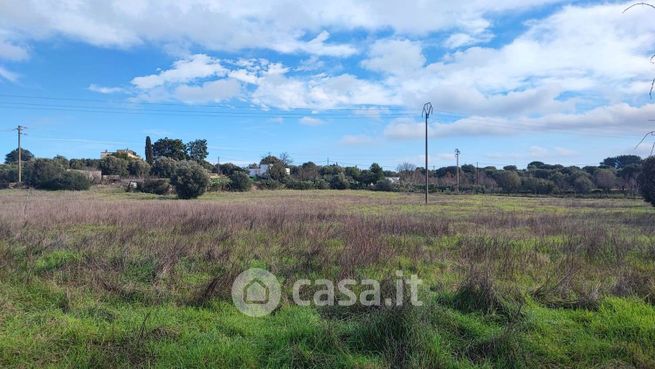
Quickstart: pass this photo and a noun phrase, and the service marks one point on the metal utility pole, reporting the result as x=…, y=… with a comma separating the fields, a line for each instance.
x=20, y=153
x=427, y=111
x=457, y=152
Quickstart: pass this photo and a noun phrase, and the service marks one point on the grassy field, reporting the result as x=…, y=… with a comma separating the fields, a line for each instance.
x=113, y=279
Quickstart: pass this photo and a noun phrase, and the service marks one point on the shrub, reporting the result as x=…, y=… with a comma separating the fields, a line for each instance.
x=269, y=184
x=138, y=168
x=40, y=171
x=339, y=182
x=384, y=185
x=164, y=167
x=605, y=179
x=537, y=185
x=190, y=180
x=8, y=174
x=113, y=166
x=240, y=181
x=583, y=185
x=647, y=180
x=300, y=185
x=71, y=181
x=156, y=186
x=220, y=183
x=12, y=157
x=321, y=184
x=509, y=181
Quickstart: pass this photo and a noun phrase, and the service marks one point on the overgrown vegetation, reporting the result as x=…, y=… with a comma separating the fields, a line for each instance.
x=114, y=279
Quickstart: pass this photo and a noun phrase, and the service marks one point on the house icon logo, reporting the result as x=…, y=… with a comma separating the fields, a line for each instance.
x=256, y=292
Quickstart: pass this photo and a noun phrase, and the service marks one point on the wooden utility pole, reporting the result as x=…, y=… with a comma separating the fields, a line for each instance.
x=20, y=154
x=457, y=152
x=427, y=110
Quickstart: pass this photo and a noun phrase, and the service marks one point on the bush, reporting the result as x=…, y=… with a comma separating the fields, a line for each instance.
x=384, y=185
x=190, y=180
x=220, y=183
x=583, y=185
x=8, y=174
x=113, y=166
x=138, y=168
x=269, y=184
x=509, y=181
x=41, y=171
x=240, y=181
x=71, y=181
x=647, y=180
x=155, y=186
x=339, y=182
x=301, y=185
x=164, y=167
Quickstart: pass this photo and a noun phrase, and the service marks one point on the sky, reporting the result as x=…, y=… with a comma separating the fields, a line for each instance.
x=510, y=81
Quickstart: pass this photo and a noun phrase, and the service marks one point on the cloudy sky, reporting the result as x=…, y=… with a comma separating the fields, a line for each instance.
x=511, y=81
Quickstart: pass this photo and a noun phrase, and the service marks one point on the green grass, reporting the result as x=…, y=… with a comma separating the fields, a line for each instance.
x=120, y=280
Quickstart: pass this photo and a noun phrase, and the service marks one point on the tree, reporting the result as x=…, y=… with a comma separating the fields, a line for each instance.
x=286, y=159
x=583, y=185
x=190, y=180
x=111, y=165
x=271, y=160
x=406, y=168
x=605, y=179
x=228, y=169
x=164, y=167
x=49, y=175
x=240, y=181
x=197, y=150
x=150, y=156
x=508, y=180
x=170, y=148
x=339, y=182
x=12, y=157
x=138, y=168
x=277, y=172
x=621, y=161
x=647, y=180
x=308, y=171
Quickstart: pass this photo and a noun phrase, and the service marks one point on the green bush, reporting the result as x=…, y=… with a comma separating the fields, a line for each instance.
x=384, y=185
x=220, y=183
x=156, y=186
x=138, y=168
x=70, y=181
x=190, y=180
x=240, y=181
x=339, y=182
x=269, y=184
x=8, y=174
x=647, y=180
x=301, y=185
x=113, y=166
x=164, y=167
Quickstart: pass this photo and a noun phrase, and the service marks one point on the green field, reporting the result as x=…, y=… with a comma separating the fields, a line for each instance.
x=113, y=279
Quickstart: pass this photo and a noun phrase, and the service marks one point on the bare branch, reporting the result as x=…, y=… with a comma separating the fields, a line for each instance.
x=639, y=4
x=652, y=86
x=644, y=139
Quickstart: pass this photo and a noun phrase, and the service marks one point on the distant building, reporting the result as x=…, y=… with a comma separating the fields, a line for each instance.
x=121, y=152
x=262, y=170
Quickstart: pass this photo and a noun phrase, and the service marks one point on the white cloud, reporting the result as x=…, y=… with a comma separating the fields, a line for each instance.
x=309, y=121
x=8, y=75
x=185, y=70
x=395, y=57
x=13, y=52
x=106, y=90
x=212, y=91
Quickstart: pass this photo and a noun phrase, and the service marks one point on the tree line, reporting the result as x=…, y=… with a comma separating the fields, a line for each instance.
x=173, y=165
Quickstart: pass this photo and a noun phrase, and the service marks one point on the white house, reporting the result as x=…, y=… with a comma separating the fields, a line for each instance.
x=262, y=171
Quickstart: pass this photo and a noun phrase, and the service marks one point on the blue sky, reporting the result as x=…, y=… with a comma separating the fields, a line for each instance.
x=511, y=81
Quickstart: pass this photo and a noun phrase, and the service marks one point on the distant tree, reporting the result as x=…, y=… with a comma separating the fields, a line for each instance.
x=647, y=180
x=150, y=156
x=536, y=165
x=339, y=182
x=271, y=160
x=197, y=150
x=286, y=159
x=170, y=148
x=605, y=179
x=377, y=172
x=538, y=186
x=240, y=182
x=511, y=167
x=62, y=161
x=406, y=168
x=12, y=157
x=277, y=172
x=164, y=167
x=583, y=185
x=138, y=168
x=228, y=169
x=621, y=161
x=508, y=180
x=190, y=180
x=111, y=165
x=308, y=171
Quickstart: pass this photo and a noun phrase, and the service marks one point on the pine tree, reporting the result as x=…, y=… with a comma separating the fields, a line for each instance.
x=149, y=154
